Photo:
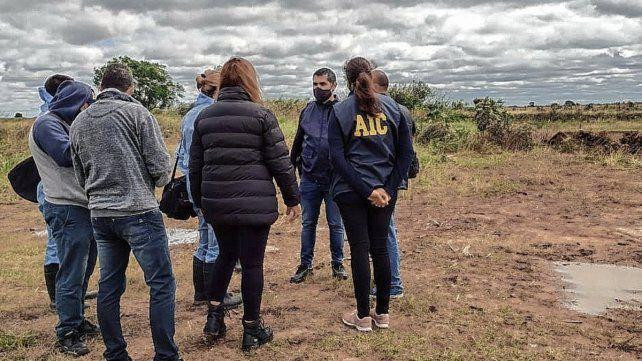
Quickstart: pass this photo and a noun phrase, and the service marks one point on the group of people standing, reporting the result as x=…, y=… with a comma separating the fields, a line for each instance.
x=101, y=159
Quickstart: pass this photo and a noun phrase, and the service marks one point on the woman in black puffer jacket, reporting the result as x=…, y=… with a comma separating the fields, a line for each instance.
x=237, y=150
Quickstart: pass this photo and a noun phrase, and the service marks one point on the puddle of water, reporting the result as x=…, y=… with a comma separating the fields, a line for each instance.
x=593, y=288
x=174, y=235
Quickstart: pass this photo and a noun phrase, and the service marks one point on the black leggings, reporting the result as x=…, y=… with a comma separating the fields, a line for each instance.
x=247, y=244
x=367, y=230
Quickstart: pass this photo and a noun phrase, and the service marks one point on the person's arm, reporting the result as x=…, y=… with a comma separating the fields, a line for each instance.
x=275, y=155
x=340, y=163
x=297, y=145
x=52, y=137
x=196, y=166
x=154, y=151
x=404, y=154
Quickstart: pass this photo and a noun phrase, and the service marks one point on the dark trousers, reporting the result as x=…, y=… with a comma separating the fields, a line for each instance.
x=143, y=235
x=247, y=244
x=367, y=230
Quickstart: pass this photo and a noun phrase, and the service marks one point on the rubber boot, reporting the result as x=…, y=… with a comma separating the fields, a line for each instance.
x=198, y=276
x=51, y=270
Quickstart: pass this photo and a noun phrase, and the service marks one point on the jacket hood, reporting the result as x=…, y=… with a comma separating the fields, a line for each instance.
x=70, y=98
x=108, y=100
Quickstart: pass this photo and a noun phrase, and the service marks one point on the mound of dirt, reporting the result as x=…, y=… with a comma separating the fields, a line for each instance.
x=630, y=141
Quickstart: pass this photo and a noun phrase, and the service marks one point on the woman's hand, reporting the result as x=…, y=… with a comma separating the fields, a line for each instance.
x=379, y=197
x=293, y=212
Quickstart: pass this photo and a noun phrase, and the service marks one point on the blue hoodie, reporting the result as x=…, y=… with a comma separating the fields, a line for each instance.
x=51, y=130
x=46, y=99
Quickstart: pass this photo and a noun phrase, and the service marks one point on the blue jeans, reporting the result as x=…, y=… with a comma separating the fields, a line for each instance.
x=71, y=228
x=143, y=234
x=396, y=285
x=207, y=250
x=51, y=254
x=312, y=194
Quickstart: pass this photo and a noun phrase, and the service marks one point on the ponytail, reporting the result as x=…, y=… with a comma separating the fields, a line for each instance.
x=359, y=77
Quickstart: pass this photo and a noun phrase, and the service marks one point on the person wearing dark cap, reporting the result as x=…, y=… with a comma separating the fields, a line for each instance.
x=381, y=82
x=207, y=250
x=371, y=151
x=120, y=158
x=66, y=213
x=310, y=155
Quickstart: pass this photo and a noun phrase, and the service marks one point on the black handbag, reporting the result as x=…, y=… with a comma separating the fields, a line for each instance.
x=175, y=201
x=24, y=179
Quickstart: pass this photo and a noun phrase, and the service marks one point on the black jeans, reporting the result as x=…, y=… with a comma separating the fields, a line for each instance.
x=247, y=244
x=367, y=230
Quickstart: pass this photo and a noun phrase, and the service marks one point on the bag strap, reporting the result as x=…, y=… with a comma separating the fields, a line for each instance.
x=176, y=162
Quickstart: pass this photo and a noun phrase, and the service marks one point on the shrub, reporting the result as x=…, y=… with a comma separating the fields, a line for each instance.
x=496, y=126
x=18, y=115
x=413, y=95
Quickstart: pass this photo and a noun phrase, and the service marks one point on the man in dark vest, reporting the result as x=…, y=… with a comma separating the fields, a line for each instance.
x=311, y=157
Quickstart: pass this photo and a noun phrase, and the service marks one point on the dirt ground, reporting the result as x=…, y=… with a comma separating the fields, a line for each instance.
x=478, y=235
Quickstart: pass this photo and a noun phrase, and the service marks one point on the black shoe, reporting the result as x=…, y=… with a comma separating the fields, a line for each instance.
x=232, y=301
x=215, y=325
x=50, y=281
x=301, y=273
x=255, y=334
x=88, y=329
x=198, y=277
x=72, y=344
x=339, y=272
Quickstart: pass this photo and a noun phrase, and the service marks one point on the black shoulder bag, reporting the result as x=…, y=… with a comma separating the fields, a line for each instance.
x=175, y=201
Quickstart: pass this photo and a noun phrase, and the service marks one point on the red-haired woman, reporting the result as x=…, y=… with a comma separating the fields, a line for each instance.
x=371, y=151
x=237, y=150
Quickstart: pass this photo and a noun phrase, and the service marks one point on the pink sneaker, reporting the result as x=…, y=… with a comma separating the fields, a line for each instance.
x=361, y=324
x=381, y=321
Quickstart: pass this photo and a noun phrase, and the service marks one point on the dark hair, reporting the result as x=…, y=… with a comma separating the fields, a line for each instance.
x=117, y=76
x=380, y=78
x=332, y=77
x=359, y=75
x=53, y=82
x=240, y=72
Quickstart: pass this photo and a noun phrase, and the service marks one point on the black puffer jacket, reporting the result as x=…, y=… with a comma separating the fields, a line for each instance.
x=237, y=149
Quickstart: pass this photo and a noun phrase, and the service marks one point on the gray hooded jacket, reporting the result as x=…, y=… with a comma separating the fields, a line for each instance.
x=119, y=155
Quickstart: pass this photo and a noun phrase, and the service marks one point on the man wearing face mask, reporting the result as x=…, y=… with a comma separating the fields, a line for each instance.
x=310, y=155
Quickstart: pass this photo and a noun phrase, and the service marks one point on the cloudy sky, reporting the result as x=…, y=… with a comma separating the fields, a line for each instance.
x=520, y=50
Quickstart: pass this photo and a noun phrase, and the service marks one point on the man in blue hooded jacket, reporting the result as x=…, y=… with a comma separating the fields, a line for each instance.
x=46, y=94
x=66, y=213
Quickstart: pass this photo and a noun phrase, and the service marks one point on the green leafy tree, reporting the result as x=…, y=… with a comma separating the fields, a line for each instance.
x=155, y=88
x=413, y=95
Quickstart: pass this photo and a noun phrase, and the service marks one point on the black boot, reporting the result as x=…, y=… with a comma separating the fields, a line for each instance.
x=215, y=325
x=198, y=276
x=255, y=334
x=51, y=270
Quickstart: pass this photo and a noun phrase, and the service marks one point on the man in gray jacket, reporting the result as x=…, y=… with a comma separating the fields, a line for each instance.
x=119, y=158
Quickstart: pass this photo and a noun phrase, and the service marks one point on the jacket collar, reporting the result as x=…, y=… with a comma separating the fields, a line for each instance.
x=203, y=99
x=233, y=93
x=115, y=94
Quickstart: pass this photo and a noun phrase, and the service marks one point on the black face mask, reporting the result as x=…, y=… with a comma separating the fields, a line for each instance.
x=322, y=95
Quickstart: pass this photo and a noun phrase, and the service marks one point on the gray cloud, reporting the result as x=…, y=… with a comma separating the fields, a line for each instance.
x=527, y=50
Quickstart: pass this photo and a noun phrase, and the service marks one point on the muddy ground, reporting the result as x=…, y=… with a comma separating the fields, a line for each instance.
x=478, y=236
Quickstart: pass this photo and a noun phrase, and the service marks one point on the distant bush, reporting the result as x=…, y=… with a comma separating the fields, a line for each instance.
x=413, y=95
x=496, y=125
x=18, y=115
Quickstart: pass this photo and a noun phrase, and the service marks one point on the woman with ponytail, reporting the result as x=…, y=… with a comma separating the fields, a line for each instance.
x=371, y=151
x=237, y=151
